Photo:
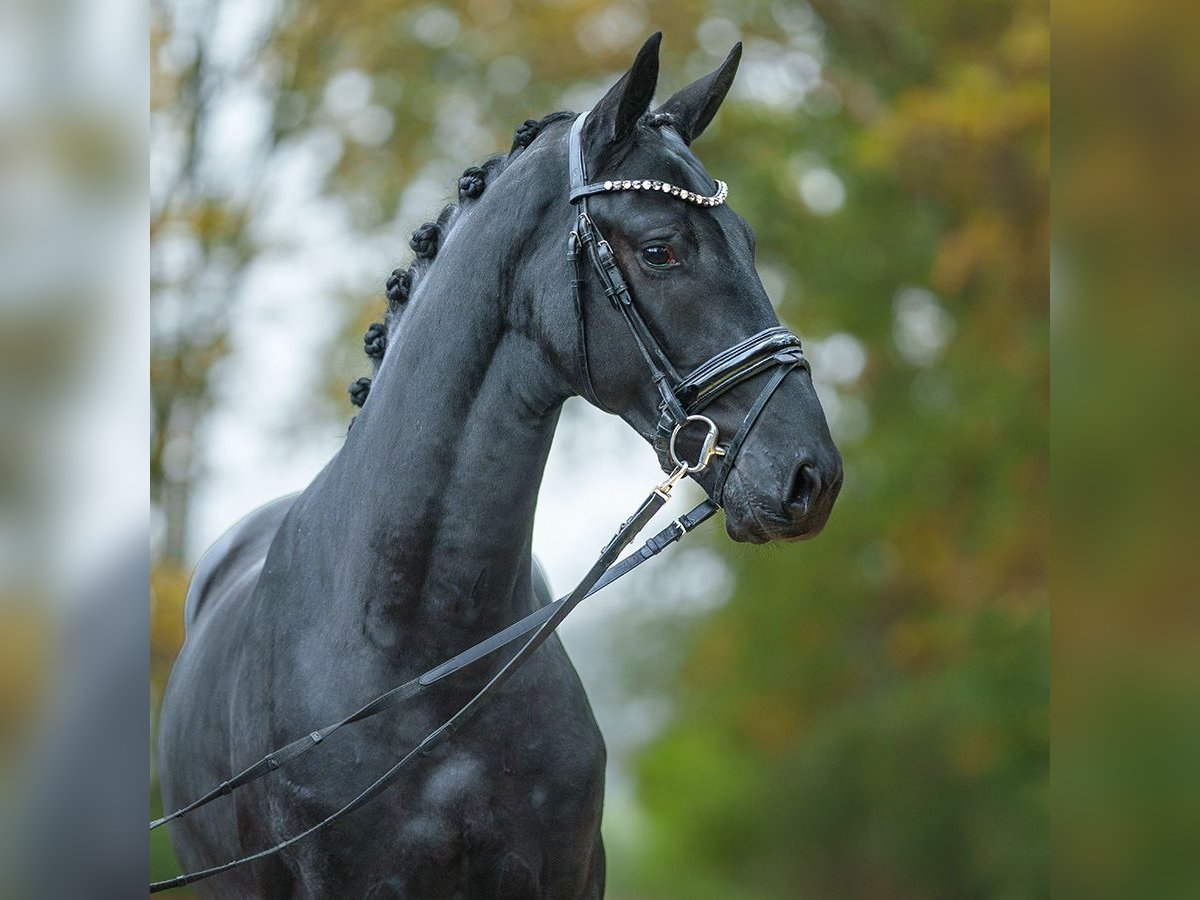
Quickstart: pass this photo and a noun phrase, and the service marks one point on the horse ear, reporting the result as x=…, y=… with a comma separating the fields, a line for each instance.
x=614, y=117
x=694, y=106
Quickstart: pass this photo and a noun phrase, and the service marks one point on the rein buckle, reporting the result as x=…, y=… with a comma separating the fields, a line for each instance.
x=664, y=490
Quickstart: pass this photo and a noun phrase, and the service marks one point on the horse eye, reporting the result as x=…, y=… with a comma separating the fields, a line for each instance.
x=660, y=256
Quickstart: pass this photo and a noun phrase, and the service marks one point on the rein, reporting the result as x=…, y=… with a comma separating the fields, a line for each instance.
x=683, y=398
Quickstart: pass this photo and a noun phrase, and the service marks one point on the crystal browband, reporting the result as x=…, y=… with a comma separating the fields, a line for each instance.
x=602, y=187
x=691, y=196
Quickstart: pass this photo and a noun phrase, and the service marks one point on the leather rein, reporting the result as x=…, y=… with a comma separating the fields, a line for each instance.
x=682, y=400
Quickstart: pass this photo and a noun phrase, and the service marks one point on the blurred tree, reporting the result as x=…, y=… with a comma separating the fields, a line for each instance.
x=198, y=251
x=1126, y=717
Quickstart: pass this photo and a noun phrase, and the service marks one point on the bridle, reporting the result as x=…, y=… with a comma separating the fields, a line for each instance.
x=683, y=399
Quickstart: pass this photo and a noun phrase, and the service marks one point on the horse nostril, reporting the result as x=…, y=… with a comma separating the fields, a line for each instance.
x=806, y=486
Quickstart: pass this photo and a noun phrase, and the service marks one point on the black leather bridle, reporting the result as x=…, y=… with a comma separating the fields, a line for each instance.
x=683, y=399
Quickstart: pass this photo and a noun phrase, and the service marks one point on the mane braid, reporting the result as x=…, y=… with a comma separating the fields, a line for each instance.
x=427, y=239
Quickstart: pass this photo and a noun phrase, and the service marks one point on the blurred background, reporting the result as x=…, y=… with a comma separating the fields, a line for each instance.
x=889, y=741
x=862, y=716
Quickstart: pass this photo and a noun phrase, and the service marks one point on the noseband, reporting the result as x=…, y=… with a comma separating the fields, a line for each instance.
x=682, y=398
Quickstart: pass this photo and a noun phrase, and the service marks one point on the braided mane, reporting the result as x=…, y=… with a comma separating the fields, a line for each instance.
x=427, y=239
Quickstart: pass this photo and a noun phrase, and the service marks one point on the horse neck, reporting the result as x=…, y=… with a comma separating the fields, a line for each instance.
x=440, y=472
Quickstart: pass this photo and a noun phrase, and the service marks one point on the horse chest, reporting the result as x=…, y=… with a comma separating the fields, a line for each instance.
x=510, y=815
x=531, y=767
x=511, y=806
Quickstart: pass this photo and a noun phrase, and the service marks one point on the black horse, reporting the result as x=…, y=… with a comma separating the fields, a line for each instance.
x=414, y=541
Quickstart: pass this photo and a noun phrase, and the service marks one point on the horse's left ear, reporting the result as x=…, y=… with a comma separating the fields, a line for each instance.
x=694, y=106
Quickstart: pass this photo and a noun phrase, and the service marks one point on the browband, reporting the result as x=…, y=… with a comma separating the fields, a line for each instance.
x=580, y=187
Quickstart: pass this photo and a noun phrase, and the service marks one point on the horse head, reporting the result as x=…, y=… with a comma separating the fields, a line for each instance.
x=687, y=261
